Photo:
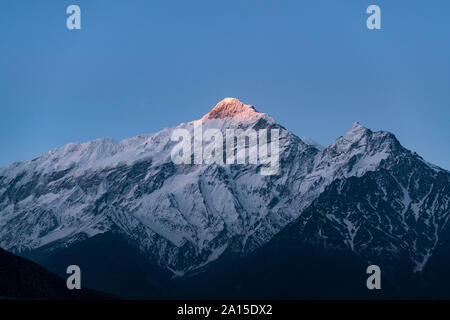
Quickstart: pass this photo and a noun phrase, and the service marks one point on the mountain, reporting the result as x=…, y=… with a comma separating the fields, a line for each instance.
x=24, y=279
x=394, y=216
x=401, y=208
x=364, y=195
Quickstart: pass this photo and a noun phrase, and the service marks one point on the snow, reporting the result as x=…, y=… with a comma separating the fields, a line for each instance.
x=352, y=231
x=234, y=109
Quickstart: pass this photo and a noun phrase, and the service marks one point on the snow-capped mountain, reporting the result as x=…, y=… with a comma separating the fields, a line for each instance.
x=396, y=213
x=182, y=217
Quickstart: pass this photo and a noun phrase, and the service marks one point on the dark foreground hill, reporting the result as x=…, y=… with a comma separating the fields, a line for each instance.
x=24, y=279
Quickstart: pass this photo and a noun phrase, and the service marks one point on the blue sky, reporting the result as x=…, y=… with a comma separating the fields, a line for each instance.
x=139, y=66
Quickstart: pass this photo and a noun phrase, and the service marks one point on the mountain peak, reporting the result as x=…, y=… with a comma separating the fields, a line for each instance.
x=356, y=126
x=356, y=131
x=232, y=108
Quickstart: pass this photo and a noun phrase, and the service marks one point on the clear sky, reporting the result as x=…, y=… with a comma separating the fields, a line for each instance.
x=139, y=66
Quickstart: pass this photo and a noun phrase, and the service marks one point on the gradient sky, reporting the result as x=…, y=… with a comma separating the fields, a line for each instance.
x=139, y=66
